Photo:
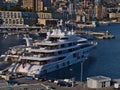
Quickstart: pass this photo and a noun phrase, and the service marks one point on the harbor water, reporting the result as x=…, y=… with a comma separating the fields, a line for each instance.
x=104, y=58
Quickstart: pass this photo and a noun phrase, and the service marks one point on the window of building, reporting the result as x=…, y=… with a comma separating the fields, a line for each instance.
x=15, y=15
x=18, y=15
x=6, y=21
x=103, y=84
x=17, y=21
x=10, y=21
x=14, y=22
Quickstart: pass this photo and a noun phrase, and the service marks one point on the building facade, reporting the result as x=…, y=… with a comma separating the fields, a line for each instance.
x=13, y=18
x=36, y=5
x=115, y=17
x=28, y=4
x=100, y=11
x=46, y=19
x=98, y=82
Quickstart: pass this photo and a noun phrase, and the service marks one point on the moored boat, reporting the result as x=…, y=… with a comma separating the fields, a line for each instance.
x=38, y=57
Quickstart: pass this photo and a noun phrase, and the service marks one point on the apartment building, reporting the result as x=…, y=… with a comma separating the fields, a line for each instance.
x=46, y=19
x=28, y=4
x=10, y=18
x=100, y=11
x=36, y=5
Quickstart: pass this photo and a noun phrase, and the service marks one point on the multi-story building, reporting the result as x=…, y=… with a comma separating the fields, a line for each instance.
x=46, y=19
x=28, y=4
x=115, y=16
x=36, y=5
x=100, y=11
x=12, y=18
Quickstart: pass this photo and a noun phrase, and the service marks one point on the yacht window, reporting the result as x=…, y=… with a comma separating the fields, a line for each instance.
x=44, y=71
x=62, y=45
x=82, y=42
x=60, y=52
x=68, y=62
x=65, y=38
x=74, y=43
x=60, y=58
x=43, y=62
x=83, y=46
x=70, y=50
x=70, y=44
x=74, y=55
x=63, y=64
x=78, y=57
x=57, y=66
x=82, y=56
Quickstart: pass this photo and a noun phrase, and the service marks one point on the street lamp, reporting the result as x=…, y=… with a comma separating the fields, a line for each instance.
x=72, y=78
x=70, y=69
x=81, y=78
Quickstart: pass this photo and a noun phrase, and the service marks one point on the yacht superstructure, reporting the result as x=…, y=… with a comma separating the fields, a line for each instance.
x=39, y=57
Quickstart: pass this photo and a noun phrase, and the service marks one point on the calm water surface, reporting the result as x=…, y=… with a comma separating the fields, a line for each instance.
x=105, y=58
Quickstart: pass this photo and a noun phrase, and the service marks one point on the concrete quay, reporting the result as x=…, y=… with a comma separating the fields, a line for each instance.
x=78, y=86
x=98, y=35
x=44, y=85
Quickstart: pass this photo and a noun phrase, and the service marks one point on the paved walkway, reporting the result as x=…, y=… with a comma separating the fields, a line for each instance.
x=36, y=85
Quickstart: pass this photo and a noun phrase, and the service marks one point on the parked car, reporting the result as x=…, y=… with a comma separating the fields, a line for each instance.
x=66, y=84
x=51, y=80
x=11, y=82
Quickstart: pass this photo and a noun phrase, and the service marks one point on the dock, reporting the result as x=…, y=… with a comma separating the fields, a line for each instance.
x=21, y=30
x=17, y=30
x=86, y=25
x=98, y=35
x=103, y=35
x=45, y=85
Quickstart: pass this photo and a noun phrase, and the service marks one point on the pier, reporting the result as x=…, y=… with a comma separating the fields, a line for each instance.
x=13, y=30
x=98, y=35
x=86, y=25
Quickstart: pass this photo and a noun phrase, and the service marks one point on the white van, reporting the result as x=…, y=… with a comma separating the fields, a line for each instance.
x=117, y=85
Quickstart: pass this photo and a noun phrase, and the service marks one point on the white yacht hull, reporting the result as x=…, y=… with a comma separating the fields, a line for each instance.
x=69, y=60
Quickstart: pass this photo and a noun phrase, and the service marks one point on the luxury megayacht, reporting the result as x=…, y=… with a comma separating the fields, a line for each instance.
x=38, y=57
